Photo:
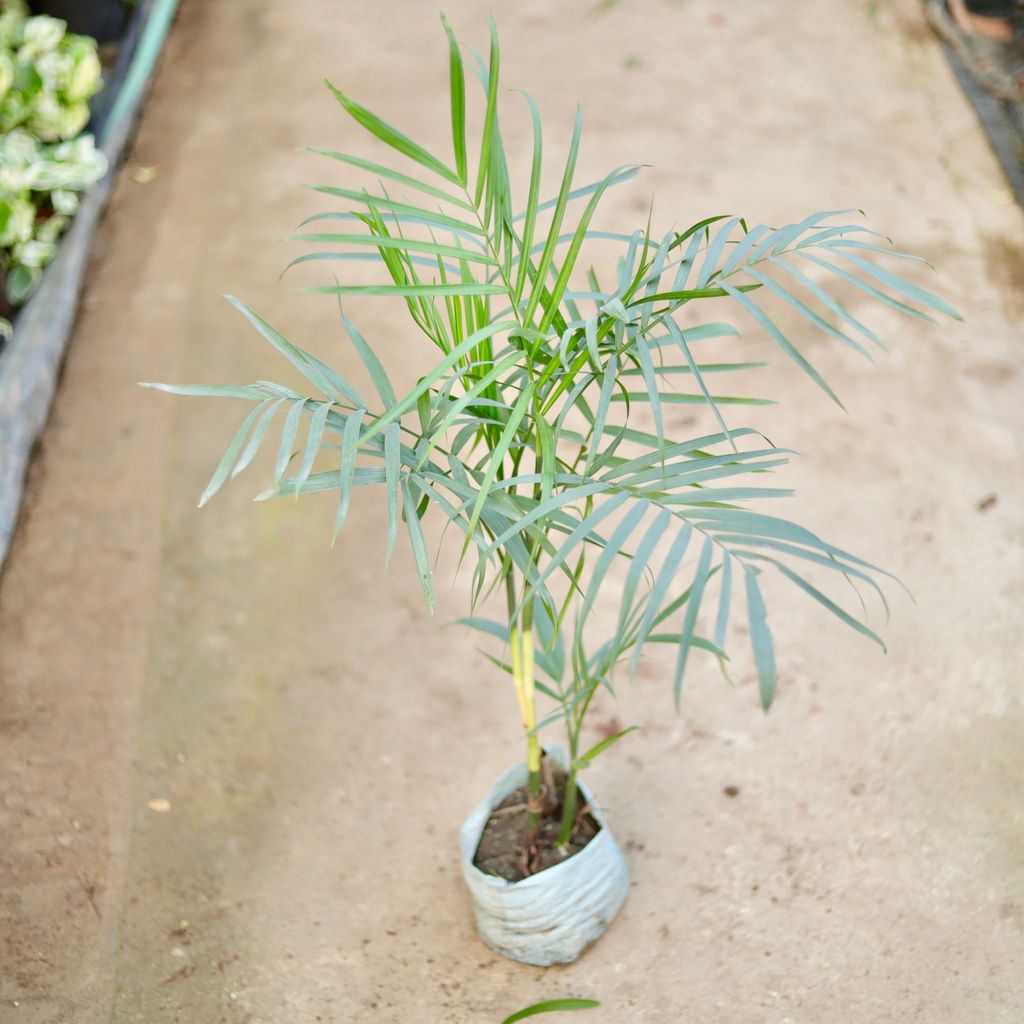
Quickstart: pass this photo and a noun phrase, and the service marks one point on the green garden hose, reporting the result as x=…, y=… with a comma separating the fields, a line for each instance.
x=150, y=43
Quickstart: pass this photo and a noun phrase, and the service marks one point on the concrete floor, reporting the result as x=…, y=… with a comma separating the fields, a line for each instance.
x=871, y=868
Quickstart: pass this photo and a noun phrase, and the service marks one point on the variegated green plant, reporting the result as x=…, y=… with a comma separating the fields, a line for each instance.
x=39, y=189
x=47, y=77
x=541, y=433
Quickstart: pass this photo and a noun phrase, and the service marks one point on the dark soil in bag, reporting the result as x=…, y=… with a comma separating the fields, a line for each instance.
x=507, y=848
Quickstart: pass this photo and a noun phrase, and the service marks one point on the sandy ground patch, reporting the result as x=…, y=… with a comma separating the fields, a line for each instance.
x=317, y=737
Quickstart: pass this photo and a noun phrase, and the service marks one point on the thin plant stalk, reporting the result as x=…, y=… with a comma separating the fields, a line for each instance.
x=573, y=726
x=524, y=682
x=533, y=751
x=568, y=803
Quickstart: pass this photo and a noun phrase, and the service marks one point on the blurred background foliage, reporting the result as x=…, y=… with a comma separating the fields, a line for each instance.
x=47, y=77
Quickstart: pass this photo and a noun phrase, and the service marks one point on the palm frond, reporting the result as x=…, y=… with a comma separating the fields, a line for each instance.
x=543, y=433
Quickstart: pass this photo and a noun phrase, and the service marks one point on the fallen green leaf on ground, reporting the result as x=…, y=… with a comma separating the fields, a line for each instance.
x=551, y=1006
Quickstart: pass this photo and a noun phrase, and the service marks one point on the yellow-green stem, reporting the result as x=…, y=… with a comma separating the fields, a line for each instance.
x=521, y=642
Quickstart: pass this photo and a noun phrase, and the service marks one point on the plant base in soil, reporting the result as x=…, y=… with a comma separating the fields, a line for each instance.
x=511, y=849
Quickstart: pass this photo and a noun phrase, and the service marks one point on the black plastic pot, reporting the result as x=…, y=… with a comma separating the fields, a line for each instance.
x=104, y=20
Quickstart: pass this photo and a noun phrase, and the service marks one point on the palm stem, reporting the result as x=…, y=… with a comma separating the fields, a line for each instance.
x=568, y=808
x=573, y=726
x=524, y=680
x=530, y=701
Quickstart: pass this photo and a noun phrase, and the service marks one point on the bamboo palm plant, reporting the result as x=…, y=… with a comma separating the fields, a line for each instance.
x=540, y=434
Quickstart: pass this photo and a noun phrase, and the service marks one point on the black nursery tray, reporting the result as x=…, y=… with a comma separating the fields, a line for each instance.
x=105, y=20
x=30, y=362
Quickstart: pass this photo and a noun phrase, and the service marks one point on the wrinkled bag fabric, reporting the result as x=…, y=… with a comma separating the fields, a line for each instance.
x=552, y=916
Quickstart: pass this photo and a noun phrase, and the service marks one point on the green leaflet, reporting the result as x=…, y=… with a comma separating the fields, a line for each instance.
x=530, y=214
x=419, y=546
x=401, y=245
x=680, y=338
x=603, y=745
x=224, y=467
x=314, y=439
x=286, y=447
x=700, y=579
x=781, y=340
x=418, y=290
x=639, y=566
x=349, y=451
x=498, y=455
x=317, y=373
x=209, y=390
x=724, y=603
x=392, y=470
x=256, y=438
x=556, y=221
x=665, y=579
x=372, y=363
x=458, y=101
x=613, y=550
x=760, y=639
x=490, y=117
x=380, y=171
x=391, y=136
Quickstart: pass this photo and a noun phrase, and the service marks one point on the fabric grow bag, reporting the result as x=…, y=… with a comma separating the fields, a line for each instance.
x=552, y=916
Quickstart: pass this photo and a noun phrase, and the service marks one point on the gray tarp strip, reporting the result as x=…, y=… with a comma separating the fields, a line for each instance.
x=30, y=362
